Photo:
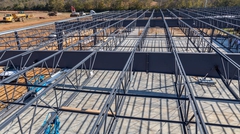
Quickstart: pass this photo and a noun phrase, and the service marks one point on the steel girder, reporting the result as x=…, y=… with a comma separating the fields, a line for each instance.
x=143, y=61
x=183, y=87
x=103, y=124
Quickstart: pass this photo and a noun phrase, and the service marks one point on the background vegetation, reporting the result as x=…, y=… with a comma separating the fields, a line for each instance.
x=100, y=5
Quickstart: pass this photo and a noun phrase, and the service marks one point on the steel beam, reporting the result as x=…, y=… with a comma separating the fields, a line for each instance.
x=148, y=95
x=102, y=124
x=116, y=60
x=183, y=87
x=128, y=117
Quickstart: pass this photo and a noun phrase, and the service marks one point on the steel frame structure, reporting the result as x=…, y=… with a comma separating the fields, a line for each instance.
x=225, y=62
x=45, y=49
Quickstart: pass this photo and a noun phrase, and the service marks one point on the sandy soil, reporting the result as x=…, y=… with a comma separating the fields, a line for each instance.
x=33, y=21
x=154, y=3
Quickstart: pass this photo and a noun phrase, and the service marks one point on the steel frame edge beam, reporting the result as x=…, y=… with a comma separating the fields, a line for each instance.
x=143, y=61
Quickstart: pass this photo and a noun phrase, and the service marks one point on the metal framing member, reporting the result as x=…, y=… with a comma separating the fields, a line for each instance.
x=26, y=55
x=230, y=19
x=66, y=103
x=183, y=87
x=202, y=24
x=81, y=74
x=149, y=96
x=102, y=123
x=25, y=35
x=144, y=33
x=213, y=20
x=67, y=48
x=32, y=101
x=56, y=57
x=231, y=10
x=51, y=85
x=59, y=33
x=221, y=11
x=17, y=39
x=227, y=63
x=128, y=78
x=28, y=40
x=226, y=83
x=130, y=117
x=213, y=47
x=56, y=52
x=166, y=31
x=196, y=39
x=31, y=27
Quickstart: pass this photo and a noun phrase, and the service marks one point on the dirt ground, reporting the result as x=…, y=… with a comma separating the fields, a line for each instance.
x=29, y=22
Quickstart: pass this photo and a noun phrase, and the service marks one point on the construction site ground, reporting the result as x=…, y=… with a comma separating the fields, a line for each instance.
x=4, y=26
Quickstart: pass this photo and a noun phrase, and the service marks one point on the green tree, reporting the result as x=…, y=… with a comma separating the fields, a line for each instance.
x=56, y=5
x=19, y=6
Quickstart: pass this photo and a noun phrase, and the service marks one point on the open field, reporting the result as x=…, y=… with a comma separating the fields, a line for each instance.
x=33, y=21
